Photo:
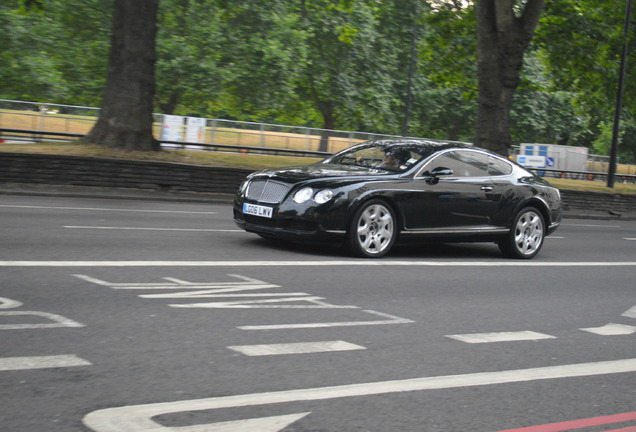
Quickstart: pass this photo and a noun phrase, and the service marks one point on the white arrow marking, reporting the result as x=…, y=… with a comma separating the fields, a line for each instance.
x=6, y=303
x=265, y=424
x=138, y=418
x=630, y=313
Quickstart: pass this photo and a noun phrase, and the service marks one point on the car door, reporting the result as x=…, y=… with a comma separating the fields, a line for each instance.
x=462, y=200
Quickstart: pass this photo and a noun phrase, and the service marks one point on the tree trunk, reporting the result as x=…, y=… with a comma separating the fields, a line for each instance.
x=169, y=106
x=502, y=39
x=328, y=123
x=125, y=120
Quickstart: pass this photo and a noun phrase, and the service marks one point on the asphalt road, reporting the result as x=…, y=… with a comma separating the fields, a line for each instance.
x=160, y=316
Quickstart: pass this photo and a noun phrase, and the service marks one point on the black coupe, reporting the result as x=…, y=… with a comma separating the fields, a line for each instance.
x=371, y=194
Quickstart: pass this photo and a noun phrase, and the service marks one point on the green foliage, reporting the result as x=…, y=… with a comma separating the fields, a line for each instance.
x=603, y=143
x=580, y=43
x=340, y=64
x=58, y=54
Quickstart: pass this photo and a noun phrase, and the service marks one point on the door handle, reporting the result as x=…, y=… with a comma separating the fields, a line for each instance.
x=487, y=188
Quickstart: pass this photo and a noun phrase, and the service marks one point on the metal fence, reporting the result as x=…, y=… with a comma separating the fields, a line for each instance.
x=32, y=121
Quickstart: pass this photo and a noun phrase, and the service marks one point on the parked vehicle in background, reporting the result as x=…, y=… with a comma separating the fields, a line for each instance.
x=371, y=195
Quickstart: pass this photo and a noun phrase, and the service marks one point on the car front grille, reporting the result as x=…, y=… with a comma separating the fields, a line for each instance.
x=267, y=191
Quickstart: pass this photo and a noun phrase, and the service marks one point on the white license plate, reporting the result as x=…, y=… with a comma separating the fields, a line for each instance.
x=257, y=210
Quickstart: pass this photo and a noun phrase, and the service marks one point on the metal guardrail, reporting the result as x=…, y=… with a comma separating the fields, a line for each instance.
x=38, y=135
x=582, y=175
x=77, y=119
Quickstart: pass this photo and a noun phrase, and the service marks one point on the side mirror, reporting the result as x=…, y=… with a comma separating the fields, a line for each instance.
x=441, y=171
x=432, y=177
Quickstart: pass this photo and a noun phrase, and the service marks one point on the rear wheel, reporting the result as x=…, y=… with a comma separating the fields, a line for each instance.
x=526, y=236
x=373, y=230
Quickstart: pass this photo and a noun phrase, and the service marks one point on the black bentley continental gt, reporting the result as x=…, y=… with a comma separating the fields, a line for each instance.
x=372, y=194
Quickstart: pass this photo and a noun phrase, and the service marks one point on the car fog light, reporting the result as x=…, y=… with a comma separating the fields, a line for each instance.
x=303, y=195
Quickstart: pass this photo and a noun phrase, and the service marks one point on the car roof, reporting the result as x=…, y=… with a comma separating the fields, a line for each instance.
x=433, y=146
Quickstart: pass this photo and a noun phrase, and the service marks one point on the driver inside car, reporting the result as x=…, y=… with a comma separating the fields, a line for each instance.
x=394, y=158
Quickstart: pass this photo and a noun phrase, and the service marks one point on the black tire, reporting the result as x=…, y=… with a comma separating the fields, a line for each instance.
x=372, y=230
x=526, y=235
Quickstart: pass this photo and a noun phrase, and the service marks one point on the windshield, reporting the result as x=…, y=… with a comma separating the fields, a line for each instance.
x=393, y=156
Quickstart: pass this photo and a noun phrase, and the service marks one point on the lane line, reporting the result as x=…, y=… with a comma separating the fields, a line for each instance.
x=611, y=330
x=500, y=337
x=138, y=418
x=150, y=229
x=41, y=362
x=295, y=348
x=591, y=225
x=105, y=209
x=365, y=263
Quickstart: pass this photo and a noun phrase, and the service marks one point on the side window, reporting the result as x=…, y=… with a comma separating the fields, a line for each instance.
x=463, y=163
x=498, y=167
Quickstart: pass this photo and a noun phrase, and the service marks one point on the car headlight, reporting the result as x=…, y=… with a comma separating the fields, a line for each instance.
x=303, y=195
x=243, y=186
x=323, y=196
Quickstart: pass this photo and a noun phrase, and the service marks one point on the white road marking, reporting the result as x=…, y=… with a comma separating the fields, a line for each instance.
x=248, y=284
x=248, y=300
x=58, y=321
x=314, y=303
x=41, y=362
x=591, y=225
x=264, y=424
x=500, y=337
x=630, y=313
x=198, y=294
x=6, y=303
x=612, y=329
x=106, y=209
x=630, y=238
x=295, y=348
x=150, y=229
x=391, y=320
x=326, y=263
x=138, y=418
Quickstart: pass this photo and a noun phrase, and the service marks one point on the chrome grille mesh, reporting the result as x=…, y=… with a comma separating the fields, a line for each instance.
x=267, y=191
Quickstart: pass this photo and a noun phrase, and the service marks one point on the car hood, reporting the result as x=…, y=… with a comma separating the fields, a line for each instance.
x=300, y=173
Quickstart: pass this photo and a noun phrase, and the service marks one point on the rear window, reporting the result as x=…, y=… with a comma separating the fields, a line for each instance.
x=498, y=167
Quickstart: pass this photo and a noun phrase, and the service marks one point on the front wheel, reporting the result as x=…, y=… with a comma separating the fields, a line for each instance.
x=526, y=236
x=373, y=230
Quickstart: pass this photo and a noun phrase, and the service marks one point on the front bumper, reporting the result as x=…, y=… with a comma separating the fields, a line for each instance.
x=288, y=228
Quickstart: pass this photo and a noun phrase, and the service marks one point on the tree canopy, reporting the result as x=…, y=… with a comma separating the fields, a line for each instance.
x=337, y=64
